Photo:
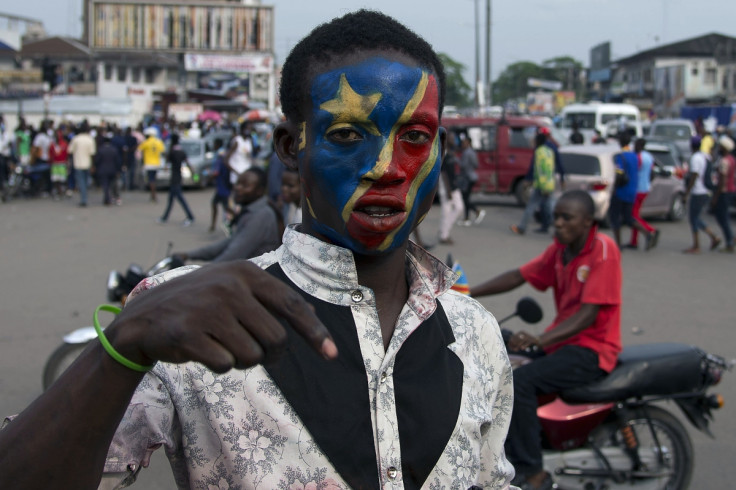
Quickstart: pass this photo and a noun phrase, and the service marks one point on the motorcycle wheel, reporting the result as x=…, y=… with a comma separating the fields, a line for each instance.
x=59, y=360
x=675, y=467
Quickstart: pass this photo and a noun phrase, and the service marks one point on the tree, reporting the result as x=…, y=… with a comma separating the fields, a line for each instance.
x=512, y=82
x=565, y=69
x=457, y=90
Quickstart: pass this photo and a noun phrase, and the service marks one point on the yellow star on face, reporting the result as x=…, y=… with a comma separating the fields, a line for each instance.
x=351, y=107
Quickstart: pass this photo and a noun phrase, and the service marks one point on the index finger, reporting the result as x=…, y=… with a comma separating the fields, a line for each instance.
x=280, y=299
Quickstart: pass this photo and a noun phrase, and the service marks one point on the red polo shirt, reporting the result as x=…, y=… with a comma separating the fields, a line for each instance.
x=593, y=277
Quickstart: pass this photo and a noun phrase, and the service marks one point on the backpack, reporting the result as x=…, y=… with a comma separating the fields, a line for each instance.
x=710, y=176
x=544, y=169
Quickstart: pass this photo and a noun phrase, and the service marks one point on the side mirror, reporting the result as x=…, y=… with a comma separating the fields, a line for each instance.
x=529, y=310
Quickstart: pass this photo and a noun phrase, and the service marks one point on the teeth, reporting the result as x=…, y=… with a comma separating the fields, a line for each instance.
x=378, y=211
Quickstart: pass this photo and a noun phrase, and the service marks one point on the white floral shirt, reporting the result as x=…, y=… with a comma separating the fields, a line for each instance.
x=240, y=430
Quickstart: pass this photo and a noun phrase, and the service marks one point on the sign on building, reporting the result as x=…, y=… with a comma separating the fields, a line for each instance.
x=175, y=27
x=249, y=63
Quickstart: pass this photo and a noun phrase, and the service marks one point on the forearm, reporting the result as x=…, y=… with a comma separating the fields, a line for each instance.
x=499, y=284
x=571, y=326
x=62, y=438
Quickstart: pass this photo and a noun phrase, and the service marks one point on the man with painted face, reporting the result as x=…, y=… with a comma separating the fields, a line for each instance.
x=356, y=365
x=583, y=267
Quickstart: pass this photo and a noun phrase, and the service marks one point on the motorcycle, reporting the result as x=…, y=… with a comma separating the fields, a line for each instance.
x=24, y=181
x=119, y=285
x=610, y=434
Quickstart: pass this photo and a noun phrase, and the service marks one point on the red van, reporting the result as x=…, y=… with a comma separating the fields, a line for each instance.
x=504, y=146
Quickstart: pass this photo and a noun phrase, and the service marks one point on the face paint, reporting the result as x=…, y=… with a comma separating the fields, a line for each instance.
x=372, y=156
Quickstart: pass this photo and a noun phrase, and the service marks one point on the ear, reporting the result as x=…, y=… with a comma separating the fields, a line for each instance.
x=443, y=141
x=286, y=143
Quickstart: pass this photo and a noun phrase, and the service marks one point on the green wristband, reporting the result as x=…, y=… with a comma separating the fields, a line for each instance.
x=108, y=346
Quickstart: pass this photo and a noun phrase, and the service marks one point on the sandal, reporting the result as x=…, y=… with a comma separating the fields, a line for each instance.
x=714, y=243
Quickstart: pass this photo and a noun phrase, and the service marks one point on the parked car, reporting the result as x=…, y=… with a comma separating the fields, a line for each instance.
x=668, y=153
x=504, y=146
x=200, y=160
x=677, y=130
x=591, y=168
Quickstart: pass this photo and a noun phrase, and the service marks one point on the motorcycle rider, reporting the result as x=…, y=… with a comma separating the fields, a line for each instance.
x=258, y=225
x=582, y=343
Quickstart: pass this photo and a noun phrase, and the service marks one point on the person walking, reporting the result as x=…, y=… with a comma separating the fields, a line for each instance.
x=451, y=199
x=699, y=197
x=82, y=148
x=542, y=176
x=725, y=190
x=624, y=195
x=59, y=156
x=223, y=187
x=644, y=185
x=107, y=163
x=177, y=158
x=152, y=148
x=239, y=156
x=467, y=179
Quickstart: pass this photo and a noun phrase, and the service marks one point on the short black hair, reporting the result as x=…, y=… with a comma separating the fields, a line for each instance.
x=261, y=174
x=174, y=139
x=639, y=144
x=583, y=198
x=624, y=138
x=356, y=31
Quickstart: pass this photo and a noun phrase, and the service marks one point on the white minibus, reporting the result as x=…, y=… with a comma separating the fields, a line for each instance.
x=605, y=117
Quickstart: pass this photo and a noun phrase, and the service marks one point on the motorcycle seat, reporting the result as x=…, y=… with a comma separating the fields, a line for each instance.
x=645, y=370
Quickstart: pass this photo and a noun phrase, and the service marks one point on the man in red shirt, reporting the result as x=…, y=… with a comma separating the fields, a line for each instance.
x=582, y=344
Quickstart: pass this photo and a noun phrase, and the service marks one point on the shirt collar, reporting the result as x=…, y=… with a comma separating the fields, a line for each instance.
x=328, y=272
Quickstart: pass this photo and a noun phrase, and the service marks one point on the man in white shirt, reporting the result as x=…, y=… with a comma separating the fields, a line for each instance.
x=699, y=197
x=82, y=148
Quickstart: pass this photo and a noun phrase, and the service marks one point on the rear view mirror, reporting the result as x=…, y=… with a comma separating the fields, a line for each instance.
x=529, y=310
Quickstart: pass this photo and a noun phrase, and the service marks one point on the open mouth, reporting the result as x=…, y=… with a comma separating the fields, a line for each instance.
x=376, y=216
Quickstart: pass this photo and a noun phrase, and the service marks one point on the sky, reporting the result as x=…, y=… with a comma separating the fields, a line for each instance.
x=521, y=30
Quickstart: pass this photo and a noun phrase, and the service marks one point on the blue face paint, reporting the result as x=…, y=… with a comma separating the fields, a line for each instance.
x=372, y=153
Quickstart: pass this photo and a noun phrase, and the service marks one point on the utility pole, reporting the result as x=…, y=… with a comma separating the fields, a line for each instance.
x=478, y=95
x=489, y=82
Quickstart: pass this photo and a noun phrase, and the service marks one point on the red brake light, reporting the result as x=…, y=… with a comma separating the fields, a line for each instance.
x=598, y=186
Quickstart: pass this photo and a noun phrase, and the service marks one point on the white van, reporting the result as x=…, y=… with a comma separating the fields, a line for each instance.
x=606, y=118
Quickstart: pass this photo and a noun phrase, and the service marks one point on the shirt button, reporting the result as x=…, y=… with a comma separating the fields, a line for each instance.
x=383, y=377
x=392, y=472
x=357, y=296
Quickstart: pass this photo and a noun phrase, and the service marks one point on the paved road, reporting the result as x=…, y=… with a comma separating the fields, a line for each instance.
x=56, y=256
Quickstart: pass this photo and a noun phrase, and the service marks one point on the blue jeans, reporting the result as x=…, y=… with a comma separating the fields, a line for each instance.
x=537, y=199
x=697, y=203
x=721, y=212
x=175, y=193
x=81, y=178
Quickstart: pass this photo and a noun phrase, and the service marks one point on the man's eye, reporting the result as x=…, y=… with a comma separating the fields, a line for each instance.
x=344, y=135
x=415, y=136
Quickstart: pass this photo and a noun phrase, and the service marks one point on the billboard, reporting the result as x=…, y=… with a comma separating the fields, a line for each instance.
x=600, y=56
x=176, y=27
